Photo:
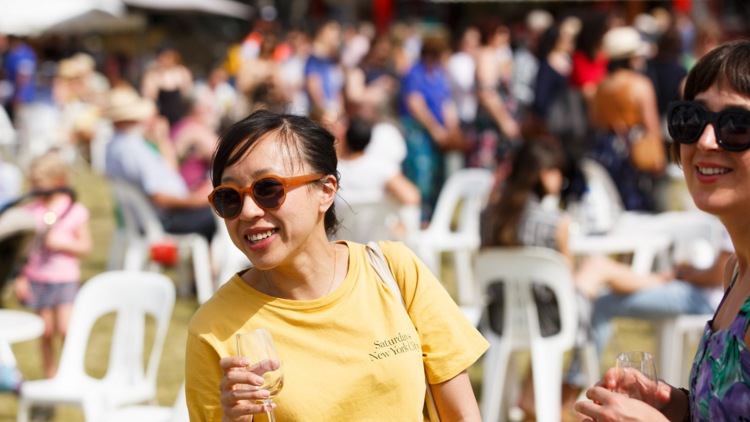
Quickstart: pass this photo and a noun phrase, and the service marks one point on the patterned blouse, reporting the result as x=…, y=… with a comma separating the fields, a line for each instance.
x=720, y=377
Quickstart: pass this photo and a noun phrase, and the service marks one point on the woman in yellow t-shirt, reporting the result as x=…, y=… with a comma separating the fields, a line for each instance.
x=351, y=350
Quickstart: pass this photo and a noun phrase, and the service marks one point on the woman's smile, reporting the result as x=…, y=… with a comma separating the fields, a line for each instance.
x=260, y=238
x=707, y=172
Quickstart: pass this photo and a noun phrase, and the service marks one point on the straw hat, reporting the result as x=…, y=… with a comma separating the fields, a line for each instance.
x=78, y=65
x=125, y=105
x=623, y=42
x=539, y=20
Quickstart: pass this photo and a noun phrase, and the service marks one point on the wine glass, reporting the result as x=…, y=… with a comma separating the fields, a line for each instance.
x=636, y=377
x=257, y=346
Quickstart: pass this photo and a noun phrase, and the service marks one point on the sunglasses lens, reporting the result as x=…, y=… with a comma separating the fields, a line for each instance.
x=268, y=192
x=227, y=202
x=686, y=123
x=735, y=131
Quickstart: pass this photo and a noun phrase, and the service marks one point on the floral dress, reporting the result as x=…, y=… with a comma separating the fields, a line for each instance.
x=720, y=377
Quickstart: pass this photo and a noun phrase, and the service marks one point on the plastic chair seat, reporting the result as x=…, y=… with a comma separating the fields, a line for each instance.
x=177, y=413
x=141, y=414
x=72, y=392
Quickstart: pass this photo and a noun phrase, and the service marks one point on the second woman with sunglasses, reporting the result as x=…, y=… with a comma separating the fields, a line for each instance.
x=712, y=133
x=351, y=351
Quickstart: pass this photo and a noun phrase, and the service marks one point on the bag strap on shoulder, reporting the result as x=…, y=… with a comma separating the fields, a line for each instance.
x=377, y=260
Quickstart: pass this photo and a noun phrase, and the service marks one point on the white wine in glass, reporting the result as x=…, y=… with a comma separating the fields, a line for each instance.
x=257, y=347
x=637, y=378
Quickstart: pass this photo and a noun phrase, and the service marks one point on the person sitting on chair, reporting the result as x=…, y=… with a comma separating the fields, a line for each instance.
x=153, y=167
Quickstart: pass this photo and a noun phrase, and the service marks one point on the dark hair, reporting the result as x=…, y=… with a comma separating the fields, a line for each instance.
x=358, y=134
x=615, y=65
x=501, y=220
x=728, y=66
x=593, y=28
x=548, y=41
x=312, y=144
x=670, y=46
x=433, y=46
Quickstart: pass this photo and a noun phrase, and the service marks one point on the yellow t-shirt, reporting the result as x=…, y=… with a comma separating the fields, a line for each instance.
x=353, y=355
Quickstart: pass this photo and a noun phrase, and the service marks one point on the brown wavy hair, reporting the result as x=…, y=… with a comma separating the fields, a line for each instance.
x=500, y=221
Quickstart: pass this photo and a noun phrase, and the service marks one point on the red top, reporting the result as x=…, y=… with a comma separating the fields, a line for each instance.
x=586, y=71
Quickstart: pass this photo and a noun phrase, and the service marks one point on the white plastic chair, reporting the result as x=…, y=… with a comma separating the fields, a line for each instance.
x=601, y=206
x=143, y=229
x=375, y=221
x=177, y=413
x=132, y=295
x=225, y=255
x=697, y=240
x=518, y=268
x=471, y=189
x=103, y=134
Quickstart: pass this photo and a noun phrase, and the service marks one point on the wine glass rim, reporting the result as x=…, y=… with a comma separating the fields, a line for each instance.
x=635, y=356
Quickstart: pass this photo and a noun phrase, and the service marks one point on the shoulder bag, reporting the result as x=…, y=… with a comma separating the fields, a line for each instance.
x=380, y=265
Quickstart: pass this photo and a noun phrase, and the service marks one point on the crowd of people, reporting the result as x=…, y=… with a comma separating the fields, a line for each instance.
x=527, y=101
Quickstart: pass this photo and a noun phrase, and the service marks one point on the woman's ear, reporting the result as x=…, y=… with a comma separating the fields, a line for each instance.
x=328, y=192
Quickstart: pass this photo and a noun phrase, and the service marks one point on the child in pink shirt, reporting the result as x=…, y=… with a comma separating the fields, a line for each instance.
x=50, y=278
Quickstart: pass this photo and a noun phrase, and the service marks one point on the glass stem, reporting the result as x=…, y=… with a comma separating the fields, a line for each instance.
x=269, y=411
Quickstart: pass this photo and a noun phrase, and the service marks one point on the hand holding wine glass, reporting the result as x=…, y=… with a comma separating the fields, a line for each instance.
x=629, y=391
x=258, y=348
x=635, y=377
x=241, y=396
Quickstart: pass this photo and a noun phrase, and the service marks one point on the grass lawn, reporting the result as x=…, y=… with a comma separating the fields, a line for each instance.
x=93, y=191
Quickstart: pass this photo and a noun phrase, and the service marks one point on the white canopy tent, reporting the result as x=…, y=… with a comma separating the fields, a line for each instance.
x=32, y=17
x=217, y=7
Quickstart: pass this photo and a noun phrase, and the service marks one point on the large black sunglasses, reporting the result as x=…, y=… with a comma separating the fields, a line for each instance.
x=687, y=120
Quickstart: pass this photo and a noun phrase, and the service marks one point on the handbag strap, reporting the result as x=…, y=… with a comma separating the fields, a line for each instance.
x=380, y=265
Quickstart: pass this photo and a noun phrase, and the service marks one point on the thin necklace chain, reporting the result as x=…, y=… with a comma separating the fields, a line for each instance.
x=329, y=287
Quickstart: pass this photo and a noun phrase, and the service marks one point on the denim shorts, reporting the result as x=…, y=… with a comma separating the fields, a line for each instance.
x=51, y=295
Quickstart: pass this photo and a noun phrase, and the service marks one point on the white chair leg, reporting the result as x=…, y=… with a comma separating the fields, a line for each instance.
x=136, y=255
x=547, y=367
x=464, y=277
x=23, y=409
x=184, y=282
x=117, y=247
x=493, y=383
x=668, y=349
x=202, y=269
x=591, y=365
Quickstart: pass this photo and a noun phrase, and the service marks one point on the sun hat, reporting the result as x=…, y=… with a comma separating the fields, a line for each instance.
x=76, y=66
x=539, y=20
x=125, y=105
x=623, y=42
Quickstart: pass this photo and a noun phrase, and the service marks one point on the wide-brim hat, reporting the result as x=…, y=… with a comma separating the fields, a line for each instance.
x=125, y=105
x=623, y=43
x=76, y=66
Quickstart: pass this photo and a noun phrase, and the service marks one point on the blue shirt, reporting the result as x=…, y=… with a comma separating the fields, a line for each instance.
x=330, y=76
x=434, y=86
x=21, y=61
x=130, y=158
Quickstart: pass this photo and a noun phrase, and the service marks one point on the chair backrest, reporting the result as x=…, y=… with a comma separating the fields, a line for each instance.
x=369, y=221
x=696, y=235
x=602, y=195
x=469, y=187
x=179, y=408
x=518, y=268
x=131, y=295
x=137, y=212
